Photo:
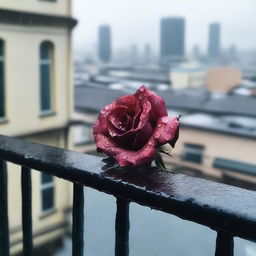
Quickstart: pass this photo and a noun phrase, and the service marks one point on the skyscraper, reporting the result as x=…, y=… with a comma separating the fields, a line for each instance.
x=172, y=41
x=214, y=40
x=147, y=50
x=104, y=43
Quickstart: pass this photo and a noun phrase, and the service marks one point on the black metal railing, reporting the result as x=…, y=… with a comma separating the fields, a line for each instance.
x=231, y=211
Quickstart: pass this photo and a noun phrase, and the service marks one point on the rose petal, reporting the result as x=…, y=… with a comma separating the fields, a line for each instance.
x=125, y=156
x=142, y=136
x=120, y=119
x=166, y=130
x=101, y=125
x=158, y=107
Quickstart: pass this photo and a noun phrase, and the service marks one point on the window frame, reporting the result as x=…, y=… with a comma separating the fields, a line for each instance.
x=53, y=1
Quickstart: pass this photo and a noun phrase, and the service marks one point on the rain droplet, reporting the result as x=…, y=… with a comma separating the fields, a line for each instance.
x=165, y=120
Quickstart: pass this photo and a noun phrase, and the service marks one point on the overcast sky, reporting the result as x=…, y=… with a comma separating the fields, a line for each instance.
x=138, y=21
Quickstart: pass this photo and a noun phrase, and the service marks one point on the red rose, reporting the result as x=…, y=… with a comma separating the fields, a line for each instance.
x=133, y=126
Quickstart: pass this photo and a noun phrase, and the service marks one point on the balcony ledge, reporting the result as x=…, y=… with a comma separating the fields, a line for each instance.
x=218, y=206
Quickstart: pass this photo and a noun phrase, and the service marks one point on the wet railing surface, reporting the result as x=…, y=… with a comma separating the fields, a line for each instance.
x=231, y=211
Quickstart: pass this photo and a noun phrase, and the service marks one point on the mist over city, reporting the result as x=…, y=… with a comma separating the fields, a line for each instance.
x=139, y=22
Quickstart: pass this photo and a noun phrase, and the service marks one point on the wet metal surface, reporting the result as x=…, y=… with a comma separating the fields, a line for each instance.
x=26, y=211
x=224, y=244
x=78, y=221
x=4, y=223
x=122, y=227
x=215, y=205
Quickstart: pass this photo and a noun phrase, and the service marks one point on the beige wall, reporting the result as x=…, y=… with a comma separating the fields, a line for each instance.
x=216, y=145
x=22, y=86
x=181, y=80
x=223, y=79
x=58, y=7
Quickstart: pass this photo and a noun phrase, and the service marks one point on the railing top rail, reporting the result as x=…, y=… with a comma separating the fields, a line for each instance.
x=218, y=206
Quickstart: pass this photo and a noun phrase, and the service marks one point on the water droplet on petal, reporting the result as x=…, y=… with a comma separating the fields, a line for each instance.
x=165, y=120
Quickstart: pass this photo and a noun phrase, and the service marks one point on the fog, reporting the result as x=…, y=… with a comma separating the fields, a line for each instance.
x=139, y=21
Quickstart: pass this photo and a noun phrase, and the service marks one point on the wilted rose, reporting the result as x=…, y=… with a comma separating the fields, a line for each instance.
x=133, y=126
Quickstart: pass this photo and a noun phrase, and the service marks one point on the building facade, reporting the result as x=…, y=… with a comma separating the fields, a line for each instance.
x=36, y=104
x=221, y=157
x=214, y=46
x=104, y=42
x=172, y=39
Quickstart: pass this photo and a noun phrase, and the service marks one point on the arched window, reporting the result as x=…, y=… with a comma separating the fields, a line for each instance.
x=2, y=99
x=46, y=76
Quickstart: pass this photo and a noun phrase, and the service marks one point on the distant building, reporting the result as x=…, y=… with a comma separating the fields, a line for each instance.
x=172, y=39
x=188, y=75
x=134, y=52
x=223, y=79
x=185, y=77
x=196, y=53
x=147, y=51
x=232, y=52
x=214, y=48
x=104, y=43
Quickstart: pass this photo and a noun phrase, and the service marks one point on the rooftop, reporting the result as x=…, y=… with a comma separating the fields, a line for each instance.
x=230, y=114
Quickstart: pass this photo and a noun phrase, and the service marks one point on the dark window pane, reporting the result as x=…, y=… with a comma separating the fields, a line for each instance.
x=2, y=99
x=45, y=87
x=193, y=153
x=45, y=75
x=1, y=48
x=45, y=51
x=196, y=158
x=46, y=178
x=47, y=198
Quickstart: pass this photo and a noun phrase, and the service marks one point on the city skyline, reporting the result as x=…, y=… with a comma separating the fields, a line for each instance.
x=131, y=22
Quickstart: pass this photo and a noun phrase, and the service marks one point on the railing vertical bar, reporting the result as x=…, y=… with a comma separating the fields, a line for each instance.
x=224, y=244
x=78, y=221
x=122, y=227
x=4, y=223
x=26, y=211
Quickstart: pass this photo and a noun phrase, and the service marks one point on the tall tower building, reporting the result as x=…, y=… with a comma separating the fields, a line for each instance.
x=214, y=40
x=147, y=50
x=172, y=38
x=104, y=43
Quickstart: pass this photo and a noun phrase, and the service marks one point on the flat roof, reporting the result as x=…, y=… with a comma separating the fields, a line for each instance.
x=228, y=114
